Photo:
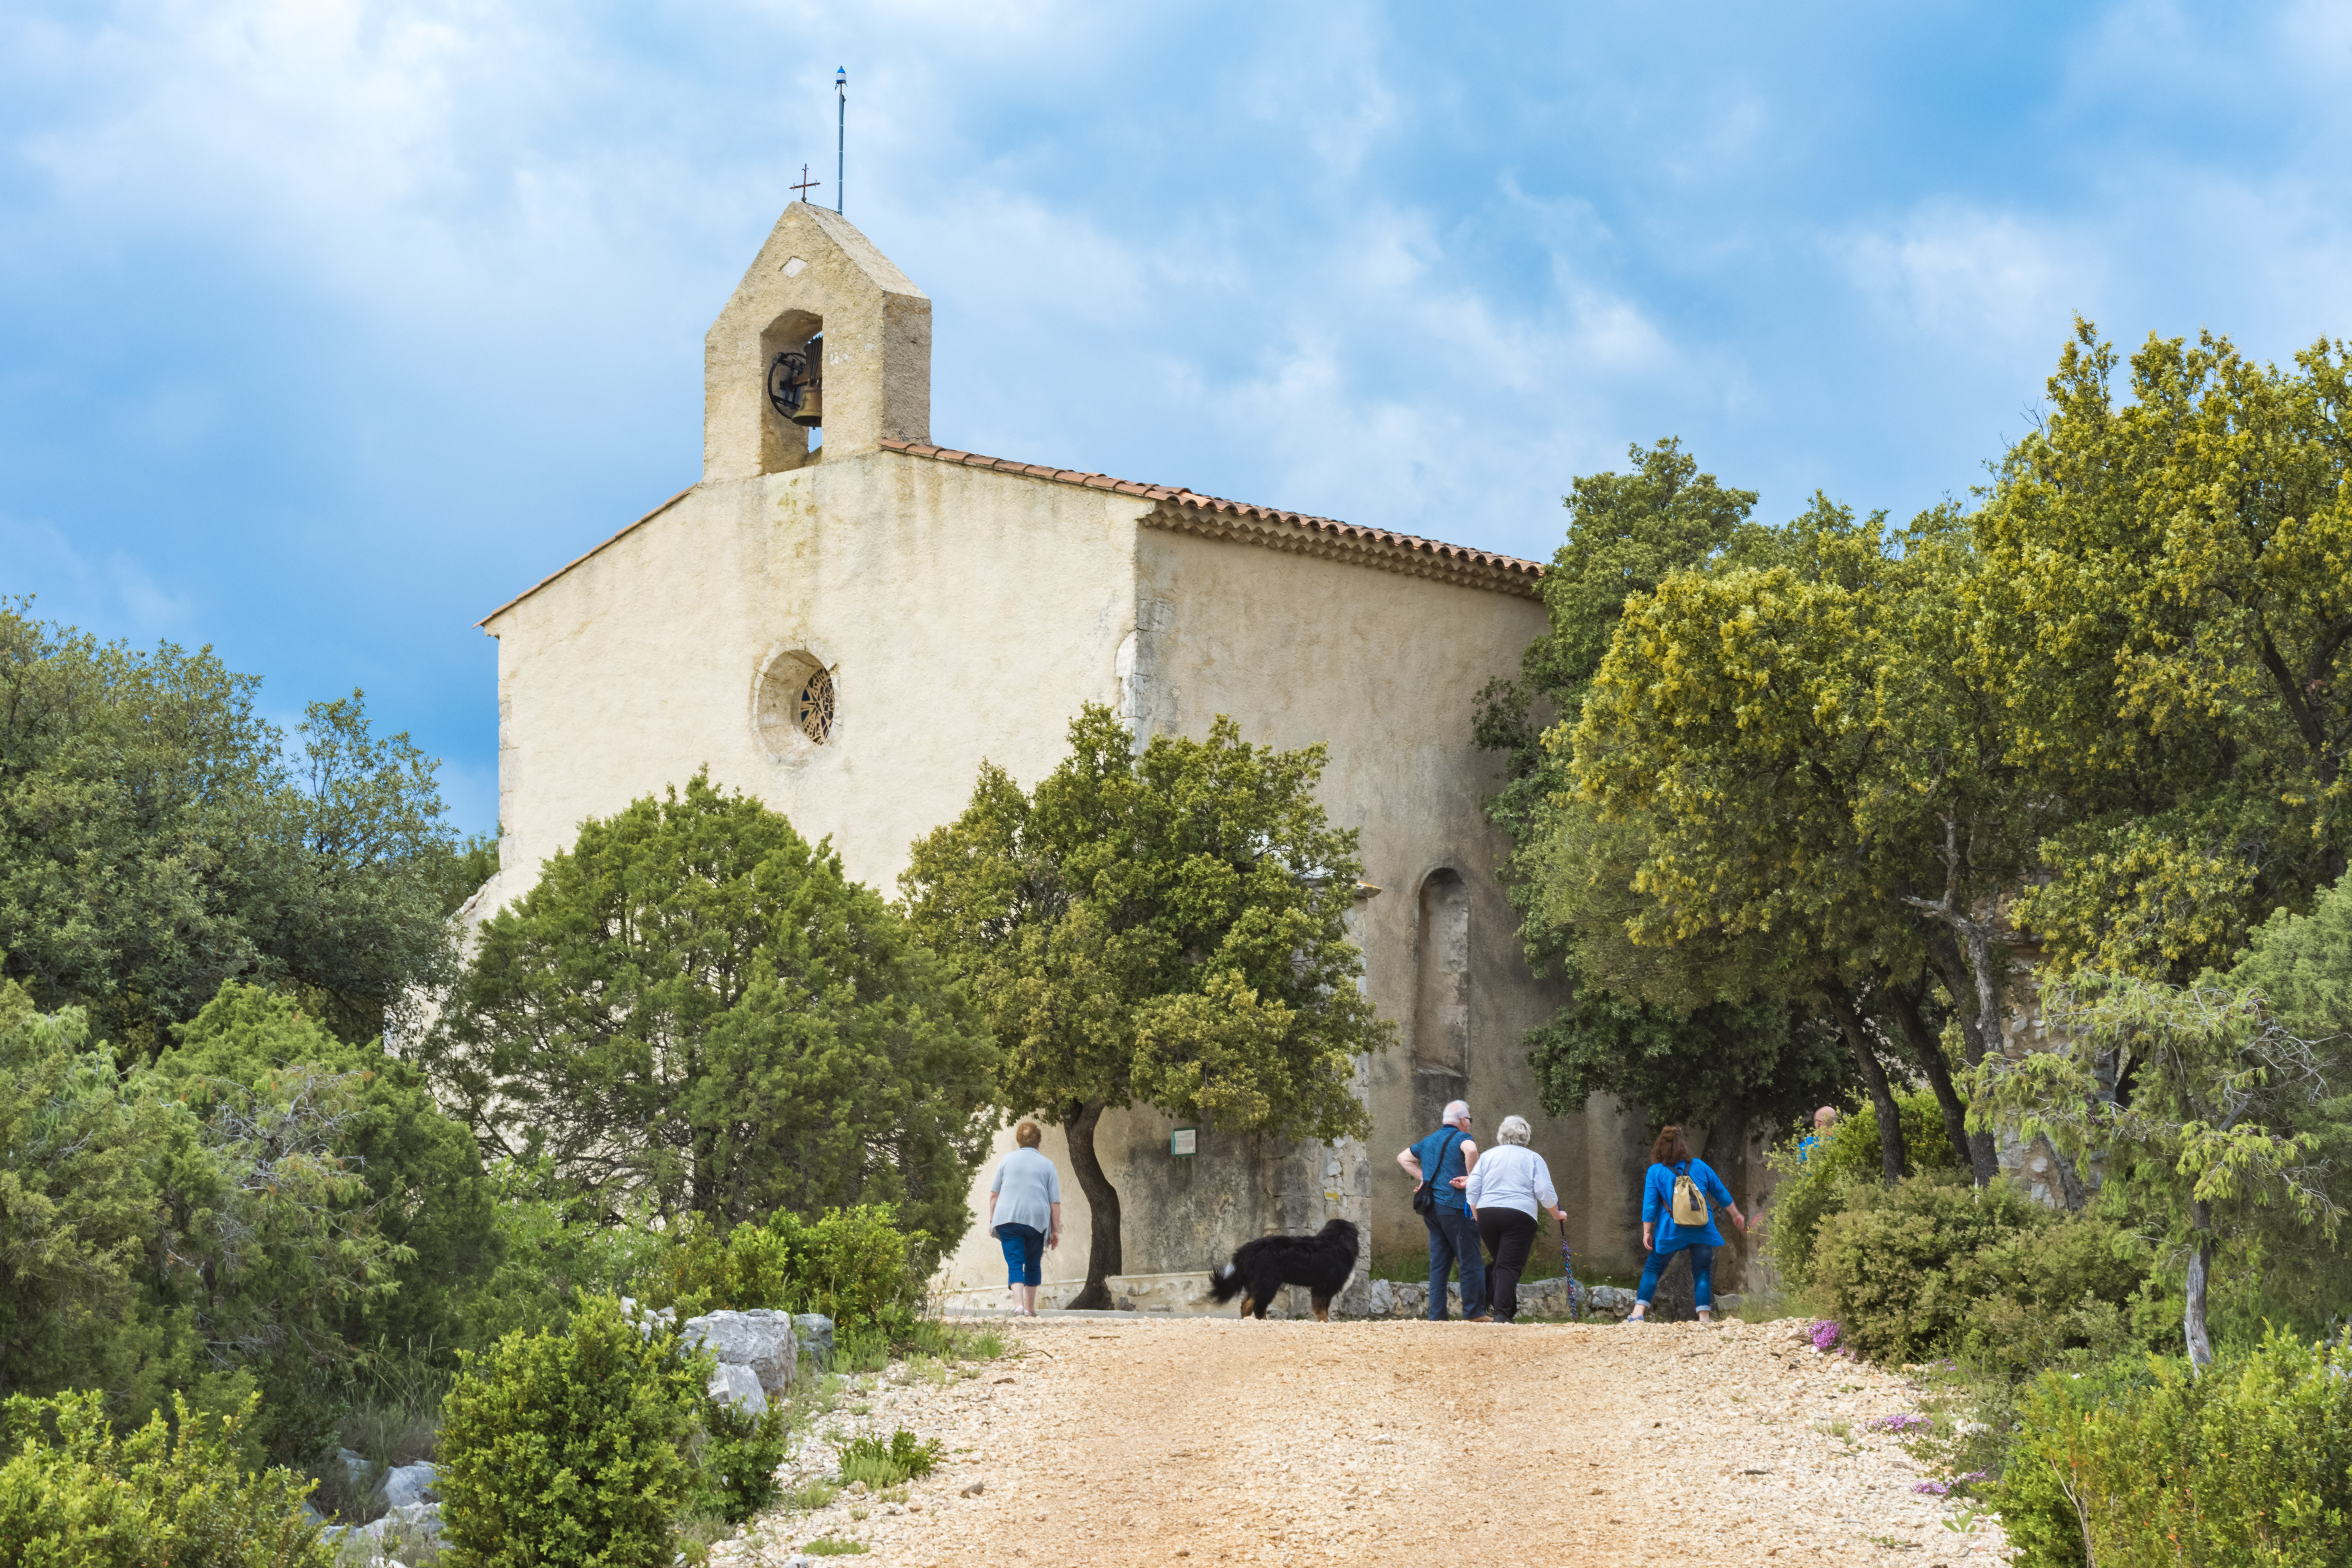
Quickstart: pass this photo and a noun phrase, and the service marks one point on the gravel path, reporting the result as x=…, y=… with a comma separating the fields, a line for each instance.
x=1199, y=1441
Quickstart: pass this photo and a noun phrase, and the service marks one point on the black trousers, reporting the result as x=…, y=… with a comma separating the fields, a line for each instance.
x=1508, y=1234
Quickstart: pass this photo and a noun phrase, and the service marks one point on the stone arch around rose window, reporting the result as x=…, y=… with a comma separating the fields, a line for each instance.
x=796, y=705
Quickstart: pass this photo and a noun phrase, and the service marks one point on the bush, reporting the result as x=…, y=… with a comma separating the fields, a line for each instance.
x=554, y=1251
x=1812, y=1188
x=880, y=1464
x=71, y=1496
x=1934, y=1265
x=738, y=1455
x=2251, y=1464
x=572, y=1448
x=852, y=1265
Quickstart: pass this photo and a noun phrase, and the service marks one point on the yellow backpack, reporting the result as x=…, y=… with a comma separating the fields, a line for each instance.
x=1690, y=1205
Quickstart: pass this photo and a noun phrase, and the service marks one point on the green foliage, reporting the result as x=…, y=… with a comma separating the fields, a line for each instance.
x=1811, y=1185
x=834, y=1546
x=72, y=1495
x=2250, y=1463
x=1933, y=1266
x=554, y=1249
x=853, y=1265
x=2163, y=601
x=1693, y=1056
x=1754, y=1058
x=573, y=1448
x=2210, y=1124
x=738, y=1456
x=891, y=1462
x=420, y=1182
x=1166, y=925
x=694, y=1004
x=157, y=838
x=79, y=1145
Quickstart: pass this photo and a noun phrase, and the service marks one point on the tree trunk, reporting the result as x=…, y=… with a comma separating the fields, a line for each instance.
x=1930, y=1052
x=2200, y=1266
x=1944, y=958
x=1104, y=1256
x=1866, y=1061
x=1727, y=1144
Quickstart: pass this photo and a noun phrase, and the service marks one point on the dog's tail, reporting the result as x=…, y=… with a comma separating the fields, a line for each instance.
x=1226, y=1282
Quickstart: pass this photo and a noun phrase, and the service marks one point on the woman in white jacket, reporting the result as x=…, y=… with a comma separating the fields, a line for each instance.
x=1509, y=1187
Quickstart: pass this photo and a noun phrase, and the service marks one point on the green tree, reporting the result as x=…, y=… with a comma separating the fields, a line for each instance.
x=1164, y=925
x=2210, y=1115
x=1755, y=730
x=80, y=1215
x=155, y=840
x=1658, y=1035
x=695, y=1005
x=2166, y=603
x=419, y=1173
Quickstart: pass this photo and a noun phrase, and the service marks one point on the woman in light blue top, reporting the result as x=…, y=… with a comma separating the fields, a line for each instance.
x=1662, y=1237
x=1025, y=1213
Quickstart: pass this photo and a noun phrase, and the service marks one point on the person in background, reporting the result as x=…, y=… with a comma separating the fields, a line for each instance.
x=1508, y=1188
x=1823, y=1120
x=1445, y=1160
x=1665, y=1231
x=1025, y=1213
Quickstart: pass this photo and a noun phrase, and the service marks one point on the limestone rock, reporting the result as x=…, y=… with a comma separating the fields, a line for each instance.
x=761, y=1339
x=732, y=1382
x=815, y=1331
x=407, y=1484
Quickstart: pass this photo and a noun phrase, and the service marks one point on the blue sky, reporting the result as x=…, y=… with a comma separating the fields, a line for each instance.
x=326, y=327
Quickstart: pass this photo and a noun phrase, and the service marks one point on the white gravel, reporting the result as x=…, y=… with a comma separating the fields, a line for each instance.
x=1195, y=1441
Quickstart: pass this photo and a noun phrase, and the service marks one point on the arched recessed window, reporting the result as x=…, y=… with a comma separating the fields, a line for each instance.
x=1441, y=1000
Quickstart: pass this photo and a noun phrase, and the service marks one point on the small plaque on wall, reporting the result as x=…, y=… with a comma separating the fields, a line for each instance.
x=1184, y=1142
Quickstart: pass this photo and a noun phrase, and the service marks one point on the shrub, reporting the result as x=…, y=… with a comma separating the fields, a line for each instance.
x=738, y=1455
x=2249, y=1464
x=554, y=1251
x=1934, y=1265
x=570, y=1448
x=1811, y=1188
x=80, y=1498
x=852, y=1265
x=879, y=1463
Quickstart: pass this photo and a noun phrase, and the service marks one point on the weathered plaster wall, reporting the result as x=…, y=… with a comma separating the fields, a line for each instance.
x=964, y=615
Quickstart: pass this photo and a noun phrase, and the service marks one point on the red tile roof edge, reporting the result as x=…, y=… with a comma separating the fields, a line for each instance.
x=1375, y=547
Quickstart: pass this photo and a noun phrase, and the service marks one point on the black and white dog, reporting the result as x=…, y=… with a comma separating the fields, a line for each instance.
x=1321, y=1262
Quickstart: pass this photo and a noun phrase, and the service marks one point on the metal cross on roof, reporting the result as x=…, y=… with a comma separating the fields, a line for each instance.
x=806, y=184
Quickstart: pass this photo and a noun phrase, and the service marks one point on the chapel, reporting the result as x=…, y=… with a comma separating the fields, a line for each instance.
x=843, y=617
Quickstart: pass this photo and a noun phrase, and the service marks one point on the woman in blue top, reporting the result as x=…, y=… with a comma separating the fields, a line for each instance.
x=1670, y=1159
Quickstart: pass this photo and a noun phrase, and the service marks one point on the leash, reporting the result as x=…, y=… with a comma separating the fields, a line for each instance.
x=1568, y=1268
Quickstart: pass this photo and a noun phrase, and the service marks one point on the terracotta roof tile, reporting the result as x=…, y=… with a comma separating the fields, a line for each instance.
x=1187, y=510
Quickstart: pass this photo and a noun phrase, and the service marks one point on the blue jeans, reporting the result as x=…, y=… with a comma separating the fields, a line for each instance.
x=1024, y=1250
x=1702, y=1275
x=1454, y=1238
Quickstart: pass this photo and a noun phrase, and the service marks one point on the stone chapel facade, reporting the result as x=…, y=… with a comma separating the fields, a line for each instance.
x=846, y=631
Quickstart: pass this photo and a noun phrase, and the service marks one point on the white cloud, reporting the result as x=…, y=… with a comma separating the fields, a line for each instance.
x=1987, y=280
x=108, y=590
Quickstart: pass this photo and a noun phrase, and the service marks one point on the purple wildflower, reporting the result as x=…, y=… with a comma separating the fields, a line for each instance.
x=1902, y=1423
x=1825, y=1334
x=1933, y=1489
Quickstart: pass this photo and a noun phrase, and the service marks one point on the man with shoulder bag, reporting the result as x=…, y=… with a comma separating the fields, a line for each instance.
x=1440, y=1165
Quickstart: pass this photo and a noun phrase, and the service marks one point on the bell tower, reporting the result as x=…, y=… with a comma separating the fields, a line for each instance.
x=823, y=334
